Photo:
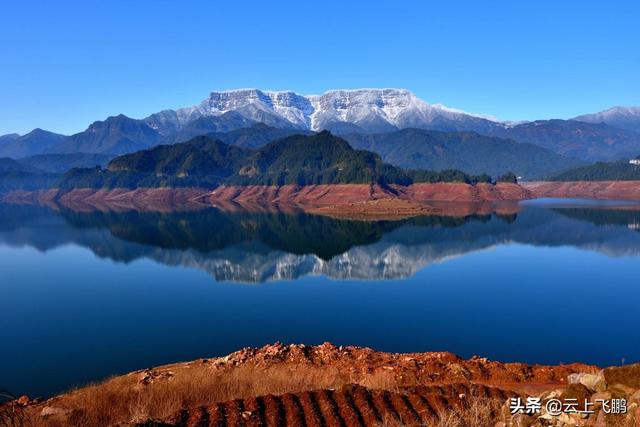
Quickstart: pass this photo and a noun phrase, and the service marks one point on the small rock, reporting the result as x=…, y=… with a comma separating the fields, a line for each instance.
x=595, y=382
x=52, y=410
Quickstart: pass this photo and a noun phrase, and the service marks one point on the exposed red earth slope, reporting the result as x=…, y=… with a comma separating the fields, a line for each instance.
x=358, y=201
x=142, y=199
x=615, y=190
x=324, y=195
x=348, y=200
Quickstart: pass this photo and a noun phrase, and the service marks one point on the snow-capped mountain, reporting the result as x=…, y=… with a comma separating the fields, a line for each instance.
x=621, y=117
x=371, y=110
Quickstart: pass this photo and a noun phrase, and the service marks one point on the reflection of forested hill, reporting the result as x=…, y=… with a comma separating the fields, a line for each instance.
x=210, y=229
x=250, y=247
x=604, y=216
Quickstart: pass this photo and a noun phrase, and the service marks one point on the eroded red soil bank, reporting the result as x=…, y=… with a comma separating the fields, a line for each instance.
x=613, y=190
x=325, y=195
x=344, y=200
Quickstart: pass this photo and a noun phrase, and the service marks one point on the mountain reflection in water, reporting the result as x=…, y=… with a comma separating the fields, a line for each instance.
x=258, y=247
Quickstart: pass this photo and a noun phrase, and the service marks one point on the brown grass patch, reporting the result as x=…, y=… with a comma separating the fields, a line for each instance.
x=122, y=399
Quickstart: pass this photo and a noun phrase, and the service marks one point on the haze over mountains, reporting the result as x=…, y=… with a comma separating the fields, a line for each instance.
x=378, y=119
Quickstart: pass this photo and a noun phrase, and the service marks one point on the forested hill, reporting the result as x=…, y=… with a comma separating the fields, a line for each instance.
x=602, y=171
x=300, y=159
x=468, y=151
x=316, y=159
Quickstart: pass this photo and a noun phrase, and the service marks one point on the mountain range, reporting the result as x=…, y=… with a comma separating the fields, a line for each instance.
x=621, y=117
x=364, y=110
x=467, y=151
x=233, y=116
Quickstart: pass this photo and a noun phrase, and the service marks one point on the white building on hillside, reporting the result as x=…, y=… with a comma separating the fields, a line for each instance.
x=635, y=162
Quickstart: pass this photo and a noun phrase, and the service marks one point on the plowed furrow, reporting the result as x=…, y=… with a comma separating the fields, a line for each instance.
x=198, y=418
x=393, y=401
x=274, y=411
x=329, y=408
x=369, y=413
x=217, y=417
x=234, y=410
x=437, y=402
x=423, y=409
x=351, y=406
x=311, y=410
x=253, y=414
x=347, y=409
x=391, y=407
x=180, y=419
x=409, y=413
x=381, y=407
x=293, y=410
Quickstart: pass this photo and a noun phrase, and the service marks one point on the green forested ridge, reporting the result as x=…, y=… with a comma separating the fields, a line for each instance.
x=299, y=159
x=467, y=151
x=315, y=159
x=602, y=171
x=199, y=156
x=60, y=163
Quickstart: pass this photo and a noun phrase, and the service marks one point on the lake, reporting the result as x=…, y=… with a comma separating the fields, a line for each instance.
x=90, y=294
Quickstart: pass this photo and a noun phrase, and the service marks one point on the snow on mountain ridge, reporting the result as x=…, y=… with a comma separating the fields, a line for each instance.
x=371, y=109
x=622, y=117
x=613, y=111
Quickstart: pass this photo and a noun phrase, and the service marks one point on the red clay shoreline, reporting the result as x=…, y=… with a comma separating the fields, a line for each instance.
x=611, y=190
x=346, y=200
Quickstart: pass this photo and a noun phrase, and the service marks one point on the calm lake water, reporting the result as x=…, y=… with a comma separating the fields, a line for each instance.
x=85, y=295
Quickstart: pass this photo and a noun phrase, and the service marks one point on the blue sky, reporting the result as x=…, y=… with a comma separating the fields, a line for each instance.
x=65, y=64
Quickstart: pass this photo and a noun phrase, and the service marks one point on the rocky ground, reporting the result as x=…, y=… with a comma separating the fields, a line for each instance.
x=326, y=385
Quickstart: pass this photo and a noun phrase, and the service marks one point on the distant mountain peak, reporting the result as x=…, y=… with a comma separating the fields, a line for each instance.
x=370, y=110
x=40, y=131
x=619, y=116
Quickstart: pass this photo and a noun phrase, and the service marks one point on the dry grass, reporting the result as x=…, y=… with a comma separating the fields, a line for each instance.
x=124, y=400
x=12, y=414
x=119, y=400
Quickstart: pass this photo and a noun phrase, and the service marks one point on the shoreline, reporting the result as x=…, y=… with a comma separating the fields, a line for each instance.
x=604, y=190
x=346, y=201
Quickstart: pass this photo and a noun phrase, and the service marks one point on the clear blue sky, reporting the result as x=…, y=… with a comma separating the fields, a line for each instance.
x=68, y=63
